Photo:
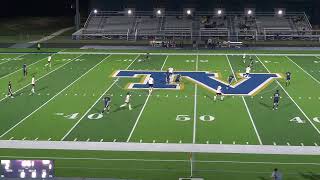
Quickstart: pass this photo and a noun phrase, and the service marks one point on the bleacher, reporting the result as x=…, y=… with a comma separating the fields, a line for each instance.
x=145, y=25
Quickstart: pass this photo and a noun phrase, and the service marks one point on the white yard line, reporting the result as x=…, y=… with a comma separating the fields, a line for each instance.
x=303, y=70
x=291, y=99
x=164, y=63
x=13, y=58
x=195, y=107
x=41, y=77
x=247, y=108
x=20, y=69
x=77, y=123
x=50, y=98
x=144, y=105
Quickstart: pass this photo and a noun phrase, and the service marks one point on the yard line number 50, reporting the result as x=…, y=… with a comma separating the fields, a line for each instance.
x=181, y=117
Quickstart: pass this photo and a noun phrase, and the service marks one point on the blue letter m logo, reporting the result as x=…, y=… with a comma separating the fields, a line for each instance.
x=246, y=86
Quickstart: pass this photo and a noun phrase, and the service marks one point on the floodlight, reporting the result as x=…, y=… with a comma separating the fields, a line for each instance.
x=189, y=12
x=95, y=11
x=129, y=11
x=249, y=12
x=280, y=12
x=159, y=12
x=219, y=12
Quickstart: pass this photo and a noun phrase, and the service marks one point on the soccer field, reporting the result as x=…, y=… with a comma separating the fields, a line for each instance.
x=69, y=96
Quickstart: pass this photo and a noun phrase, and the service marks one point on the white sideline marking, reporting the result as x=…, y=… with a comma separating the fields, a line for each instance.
x=303, y=70
x=40, y=78
x=49, y=100
x=5, y=61
x=195, y=107
x=76, y=124
x=292, y=99
x=160, y=147
x=247, y=108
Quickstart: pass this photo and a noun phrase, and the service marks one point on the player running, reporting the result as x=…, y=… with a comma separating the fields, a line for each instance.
x=244, y=58
x=147, y=56
x=127, y=101
x=10, y=92
x=288, y=78
x=178, y=79
x=251, y=61
x=33, y=84
x=106, y=101
x=218, y=93
x=49, y=61
x=24, y=70
x=230, y=79
x=150, y=83
x=167, y=77
x=248, y=69
x=276, y=98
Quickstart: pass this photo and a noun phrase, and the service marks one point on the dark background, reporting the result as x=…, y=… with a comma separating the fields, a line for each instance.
x=10, y=8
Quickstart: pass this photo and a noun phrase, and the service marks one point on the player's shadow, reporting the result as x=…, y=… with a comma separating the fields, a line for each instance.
x=266, y=105
x=310, y=176
x=125, y=108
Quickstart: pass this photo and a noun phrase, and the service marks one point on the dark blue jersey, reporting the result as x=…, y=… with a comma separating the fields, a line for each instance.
x=230, y=79
x=276, y=97
x=107, y=102
x=288, y=75
x=24, y=67
x=178, y=78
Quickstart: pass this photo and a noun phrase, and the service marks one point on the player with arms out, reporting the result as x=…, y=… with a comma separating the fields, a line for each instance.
x=106, y=103
x=218, y=93
x=288, y=78
x=24, y=70
x=33, y=84
x=127, y=101
x=10, y=92
x=150, y=83
x=276, y=98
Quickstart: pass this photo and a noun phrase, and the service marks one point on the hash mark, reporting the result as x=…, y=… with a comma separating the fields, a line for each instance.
x=207, y=142
x=140, y=140
x=24, y=138
x=75, y=139
x=101, y=140
x=153, y=141
x=288, y=144
x=11, y=138
x=36, y=139
x=247, y=142
x=180, y=141
x=49, y=139
x=233, y=142
x=274, y=143
x=315, y=144
x=114, y=140
x=220, y=142
x=302, y=144
x=88, y=139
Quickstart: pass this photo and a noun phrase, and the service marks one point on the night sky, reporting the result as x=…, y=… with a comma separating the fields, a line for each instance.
x=64, y=7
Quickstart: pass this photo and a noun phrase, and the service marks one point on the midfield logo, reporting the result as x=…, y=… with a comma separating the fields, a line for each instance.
x=246, y=86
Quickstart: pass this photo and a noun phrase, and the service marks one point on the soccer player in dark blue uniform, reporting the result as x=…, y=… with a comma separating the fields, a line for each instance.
x=25, y=70
x=288, y=78
x=10, y=92
x=276, y=98
x=178, y=79
x=106, y=102
x=230, y=79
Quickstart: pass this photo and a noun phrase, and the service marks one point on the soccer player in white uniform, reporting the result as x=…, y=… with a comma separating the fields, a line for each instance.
x=219, y=93
x=49, y=61
x=170, y=71
x=244, y=58
x=248, y=69
x=33, y=84
x=127, y=101
x=150, y=83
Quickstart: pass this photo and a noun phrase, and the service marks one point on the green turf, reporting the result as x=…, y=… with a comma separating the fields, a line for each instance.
x=68, y=102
